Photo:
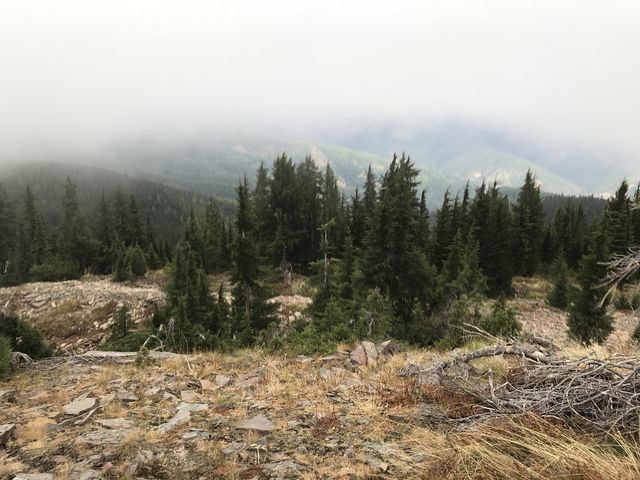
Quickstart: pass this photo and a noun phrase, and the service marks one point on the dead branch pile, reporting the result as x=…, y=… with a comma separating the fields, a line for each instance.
x=593, y=395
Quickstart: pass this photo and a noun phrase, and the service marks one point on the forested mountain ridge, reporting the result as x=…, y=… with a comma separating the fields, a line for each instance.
x=446, y=158
x=166, y=206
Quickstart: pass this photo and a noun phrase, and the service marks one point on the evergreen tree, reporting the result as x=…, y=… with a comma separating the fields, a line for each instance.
x=392, y=259
x=444, y=233
x=282, y=200
x=618, y=215
x=251, y=311
x=122, y=271
x=122, y=218
x=588, y=318
x=331, y=207
x=20, y=259
x=528, y=217
x=105, y=233
x=121, y=323
x=423, y=225
x=189, y=302
x=370, y=195
x=137, y=261
x=308, y=212
x=211, y=238
x=559, y=295
x=7, y=234
x=78, y=245
x=461, y=274
x=35, y=229
x=635, y=218
x=137, y=231
x=491, y=220
x=358, y=221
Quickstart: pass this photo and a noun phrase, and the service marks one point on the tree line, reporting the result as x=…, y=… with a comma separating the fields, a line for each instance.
x=381, y=266
x=380, y=263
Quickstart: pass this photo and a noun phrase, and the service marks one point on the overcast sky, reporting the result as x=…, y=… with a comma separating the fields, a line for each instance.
x=89, y=71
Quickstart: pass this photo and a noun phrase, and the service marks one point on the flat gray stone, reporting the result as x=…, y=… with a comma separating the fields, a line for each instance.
x=223, y=380
x=34, y=476
x=98, y=438
x=371, y=351
x=126, y=396
x=193, y=407
x=115, y=423
x=188, y=395
x=195, y=434
x=6, y=432
x=208, y=385
x=258, y=423
x=359, y=355
x=183, y=415
x=80, y=405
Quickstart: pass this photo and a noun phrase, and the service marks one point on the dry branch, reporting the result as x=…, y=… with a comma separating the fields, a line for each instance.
x=590, y=394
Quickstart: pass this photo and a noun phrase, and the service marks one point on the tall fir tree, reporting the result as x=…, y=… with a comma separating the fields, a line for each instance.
x=392, y=259
x=251, y=311
x=528, y=227
x=589, y=321
x=618, y=213
x=282, y=200
x=7, y=234
x=444, y=232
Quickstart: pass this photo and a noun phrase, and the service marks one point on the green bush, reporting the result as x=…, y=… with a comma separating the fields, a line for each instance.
x=5, y=356
x=55, y=269
x=502, y=322
x=137, y=261
x=131, y=342
x=636, y=333
x=627, y=301
x=24, y=338
x=122, y=270
x=121, y=323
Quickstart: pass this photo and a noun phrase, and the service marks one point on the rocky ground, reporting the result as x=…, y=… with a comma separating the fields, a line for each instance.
x=250, y=415
x=209, y=416
x=76, y=315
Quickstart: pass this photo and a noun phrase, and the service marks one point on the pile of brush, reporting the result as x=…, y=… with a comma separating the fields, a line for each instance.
x=590, y=394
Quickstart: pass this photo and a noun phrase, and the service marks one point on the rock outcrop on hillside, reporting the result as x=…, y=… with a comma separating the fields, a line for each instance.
x=76, y=315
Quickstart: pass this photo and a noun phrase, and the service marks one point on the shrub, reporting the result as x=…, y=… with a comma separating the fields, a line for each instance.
x=24, y=338
x=137, y=261
x=559, y=295
x=636, y=333
x=131, y=342
x=122, y=270
x=445, y=327
x=502, y=322
x=627, y=301
x=55, y=269
x=121, y=321
x=5, y=356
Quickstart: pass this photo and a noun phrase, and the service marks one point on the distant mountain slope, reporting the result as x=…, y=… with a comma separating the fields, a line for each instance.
x=167, y=206
x=215, y=167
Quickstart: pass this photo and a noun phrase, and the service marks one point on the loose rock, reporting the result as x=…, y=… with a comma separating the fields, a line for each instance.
x=258, y=423
x=6, y=433
x=115, y=423
x=98, y=438
x=80, y=405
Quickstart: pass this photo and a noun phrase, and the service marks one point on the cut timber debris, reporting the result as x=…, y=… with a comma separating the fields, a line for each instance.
x=600, y=396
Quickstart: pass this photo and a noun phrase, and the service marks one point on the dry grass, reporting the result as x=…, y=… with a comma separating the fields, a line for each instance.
x=33, y=435
x=525, y=448
x=334, y=420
